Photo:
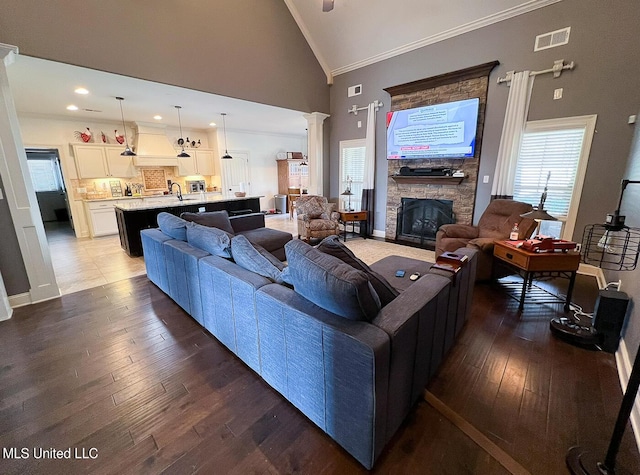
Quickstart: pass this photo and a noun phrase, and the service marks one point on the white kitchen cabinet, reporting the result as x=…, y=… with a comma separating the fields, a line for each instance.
x=102, y=218
x=201, y=162
x=102, y=161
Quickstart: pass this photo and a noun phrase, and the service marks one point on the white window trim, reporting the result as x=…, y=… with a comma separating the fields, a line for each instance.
x=353, y=143
x=589, y=124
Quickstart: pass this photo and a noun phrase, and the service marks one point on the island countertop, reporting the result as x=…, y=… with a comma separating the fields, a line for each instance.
x=171, y=201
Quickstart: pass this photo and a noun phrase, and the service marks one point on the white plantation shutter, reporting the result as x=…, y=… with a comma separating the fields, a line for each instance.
x=352, y=156
x=544, y=151
x=45, y=174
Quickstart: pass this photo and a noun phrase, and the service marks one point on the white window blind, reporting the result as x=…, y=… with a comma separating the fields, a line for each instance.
x=544, y=151
x=352, y=154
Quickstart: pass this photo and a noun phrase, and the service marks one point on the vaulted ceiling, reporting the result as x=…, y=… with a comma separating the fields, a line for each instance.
x=361, y=32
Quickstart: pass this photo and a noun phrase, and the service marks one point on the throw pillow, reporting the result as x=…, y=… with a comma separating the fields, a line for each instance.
x=330, y=283
x=331, y=245
x=256, y=258
x=213, y=219
x=172, y=226
x=213, y=240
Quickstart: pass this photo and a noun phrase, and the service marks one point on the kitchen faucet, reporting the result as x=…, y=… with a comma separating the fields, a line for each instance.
x=179, y=190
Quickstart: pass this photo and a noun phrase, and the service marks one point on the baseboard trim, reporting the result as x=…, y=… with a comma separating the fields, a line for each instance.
x=20, y=300
x=588, y=269
x=624, y=364
x=378, y=233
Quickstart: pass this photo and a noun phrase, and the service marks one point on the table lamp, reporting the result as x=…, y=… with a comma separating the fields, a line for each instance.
x=348, y=193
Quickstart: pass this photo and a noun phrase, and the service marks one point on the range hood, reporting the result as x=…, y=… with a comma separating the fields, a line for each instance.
x=153, y=148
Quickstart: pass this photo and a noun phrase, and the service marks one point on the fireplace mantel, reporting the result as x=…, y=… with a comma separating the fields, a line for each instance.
x=428, y=180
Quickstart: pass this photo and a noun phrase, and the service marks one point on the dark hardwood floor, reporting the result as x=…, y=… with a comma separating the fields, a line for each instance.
x=121, y=374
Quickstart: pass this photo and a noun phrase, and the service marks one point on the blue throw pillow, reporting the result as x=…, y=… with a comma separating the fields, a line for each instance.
x=330, y=283
x=214, y=219
x=331, y=245
x=213, y=240
x=256, y=258
x=172, y=226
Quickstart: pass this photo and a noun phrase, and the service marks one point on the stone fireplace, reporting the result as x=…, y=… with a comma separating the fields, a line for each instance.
x=419, y=220
x=461, y=192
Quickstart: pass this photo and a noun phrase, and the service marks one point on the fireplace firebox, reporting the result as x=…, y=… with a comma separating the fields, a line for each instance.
x=419, y=220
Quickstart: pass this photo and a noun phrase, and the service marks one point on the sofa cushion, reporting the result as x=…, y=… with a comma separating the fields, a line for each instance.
x=256, y=258
x=331, y=245
x=172, y=226
x=213, y=219
x=330, y=283
x=213, y=240
x=270, y=239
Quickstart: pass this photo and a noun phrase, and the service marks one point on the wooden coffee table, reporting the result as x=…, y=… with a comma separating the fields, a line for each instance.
x=529, y=264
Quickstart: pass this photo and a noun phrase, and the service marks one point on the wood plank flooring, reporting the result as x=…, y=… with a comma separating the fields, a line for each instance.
x=123, y=370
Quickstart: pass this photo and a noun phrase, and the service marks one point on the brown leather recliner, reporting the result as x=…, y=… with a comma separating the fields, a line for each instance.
x=495, y=224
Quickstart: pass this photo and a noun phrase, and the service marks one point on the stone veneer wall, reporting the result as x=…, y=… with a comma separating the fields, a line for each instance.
x=449, y=87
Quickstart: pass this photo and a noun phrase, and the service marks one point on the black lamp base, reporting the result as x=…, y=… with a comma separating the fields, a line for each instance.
x=577, y=334
x=583, y=462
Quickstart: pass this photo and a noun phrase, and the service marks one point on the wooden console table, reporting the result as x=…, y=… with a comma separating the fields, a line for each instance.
x=528, y=264
x=352, y=217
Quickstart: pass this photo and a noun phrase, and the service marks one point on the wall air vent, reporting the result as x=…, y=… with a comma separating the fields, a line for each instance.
x=552, y=39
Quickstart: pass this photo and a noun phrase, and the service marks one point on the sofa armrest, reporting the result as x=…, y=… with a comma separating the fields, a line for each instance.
x=458, y=231
x=245, y=222
x=414, y=321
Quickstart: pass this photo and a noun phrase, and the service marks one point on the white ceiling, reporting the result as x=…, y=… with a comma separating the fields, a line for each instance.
x=46, y=88
x=360, y=32
x=353, y=34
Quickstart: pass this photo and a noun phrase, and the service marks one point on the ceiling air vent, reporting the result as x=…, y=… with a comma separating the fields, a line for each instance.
x=552, y=39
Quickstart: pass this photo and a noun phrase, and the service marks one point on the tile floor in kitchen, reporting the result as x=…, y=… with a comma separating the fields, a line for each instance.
x=84, y=263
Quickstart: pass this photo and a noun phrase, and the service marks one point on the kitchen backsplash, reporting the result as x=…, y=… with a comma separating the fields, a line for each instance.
x=100, y=188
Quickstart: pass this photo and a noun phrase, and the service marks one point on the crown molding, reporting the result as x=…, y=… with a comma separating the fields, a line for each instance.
x=307, y=35
x=530, y=6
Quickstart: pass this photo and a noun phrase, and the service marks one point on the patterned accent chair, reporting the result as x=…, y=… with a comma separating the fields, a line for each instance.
x=316, y=217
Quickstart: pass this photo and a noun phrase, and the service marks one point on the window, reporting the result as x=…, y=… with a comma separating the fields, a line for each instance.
x=557, y=148
x=45, y=174
x=351, y=172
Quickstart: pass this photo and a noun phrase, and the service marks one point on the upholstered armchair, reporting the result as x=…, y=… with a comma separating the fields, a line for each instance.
x=316, y=217
x=495, y=224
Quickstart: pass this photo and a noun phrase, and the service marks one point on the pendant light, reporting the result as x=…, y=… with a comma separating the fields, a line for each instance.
x=182, y=154
x=127, y=151
x=226, y=155
x=304, y=163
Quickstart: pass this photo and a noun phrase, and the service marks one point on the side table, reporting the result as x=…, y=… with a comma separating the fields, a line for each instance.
x=352, y=217
x=528, y=264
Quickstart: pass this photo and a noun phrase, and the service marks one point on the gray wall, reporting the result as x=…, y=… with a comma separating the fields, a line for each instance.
x=603, y=44
x=249, y=49
x=631, y=280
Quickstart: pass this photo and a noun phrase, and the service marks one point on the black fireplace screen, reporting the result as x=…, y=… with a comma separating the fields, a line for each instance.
x=419, y=219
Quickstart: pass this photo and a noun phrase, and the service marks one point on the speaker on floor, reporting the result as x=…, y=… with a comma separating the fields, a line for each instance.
x=608, y=317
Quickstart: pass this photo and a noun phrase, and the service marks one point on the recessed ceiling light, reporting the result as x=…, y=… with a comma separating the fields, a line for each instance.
x=81, y=90
x=72, y=108
x=157, y=117
x=212, y=124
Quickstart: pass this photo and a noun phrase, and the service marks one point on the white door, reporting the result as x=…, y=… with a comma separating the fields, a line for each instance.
x=235, y=173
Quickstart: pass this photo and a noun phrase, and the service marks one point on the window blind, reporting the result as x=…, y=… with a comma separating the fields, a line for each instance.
x=352, y=166
x=45, y=174
x=544, y=151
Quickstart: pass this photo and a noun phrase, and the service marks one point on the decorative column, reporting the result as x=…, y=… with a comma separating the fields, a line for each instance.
x=20, y=195
x=315, y=122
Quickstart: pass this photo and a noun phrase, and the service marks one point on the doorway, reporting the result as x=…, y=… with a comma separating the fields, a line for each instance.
x=51, y=193
x=235, y=174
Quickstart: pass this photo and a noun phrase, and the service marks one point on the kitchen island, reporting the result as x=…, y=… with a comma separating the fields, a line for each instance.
x=134, y=216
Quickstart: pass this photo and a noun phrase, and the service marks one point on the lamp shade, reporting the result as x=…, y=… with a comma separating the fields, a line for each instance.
x=539, y=214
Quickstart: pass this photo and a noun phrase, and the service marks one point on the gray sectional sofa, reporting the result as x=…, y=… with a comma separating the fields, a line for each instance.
x=355, y=375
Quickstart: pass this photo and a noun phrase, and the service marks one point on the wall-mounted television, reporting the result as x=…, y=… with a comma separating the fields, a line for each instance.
x=438, y=131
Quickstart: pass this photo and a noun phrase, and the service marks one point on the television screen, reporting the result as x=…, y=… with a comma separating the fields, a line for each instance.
x=438, y=131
